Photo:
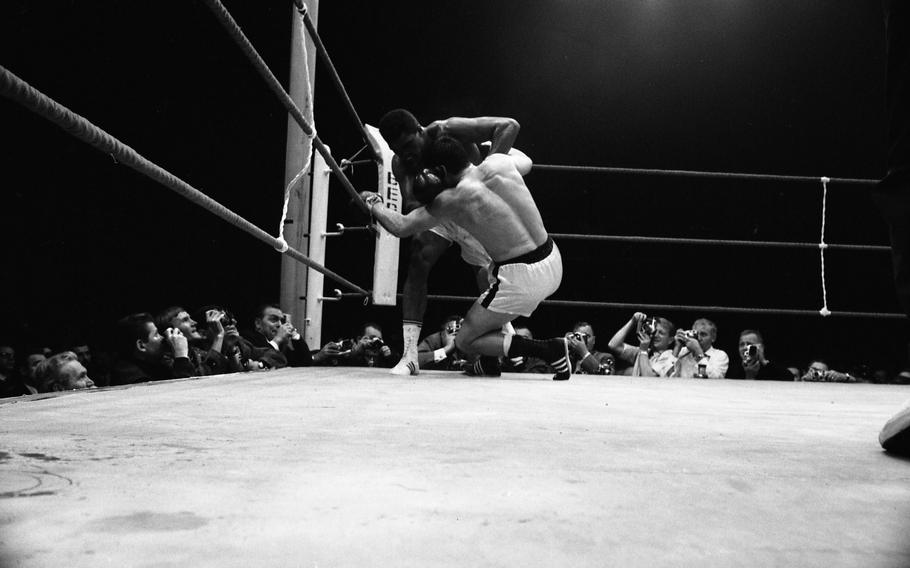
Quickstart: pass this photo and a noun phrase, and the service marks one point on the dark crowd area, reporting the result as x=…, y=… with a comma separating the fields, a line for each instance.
x=95, y=254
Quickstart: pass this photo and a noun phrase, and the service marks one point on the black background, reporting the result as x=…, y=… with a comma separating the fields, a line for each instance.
x=783, y=87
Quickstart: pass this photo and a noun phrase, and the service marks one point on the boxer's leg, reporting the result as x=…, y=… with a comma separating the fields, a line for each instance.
x=426, y=249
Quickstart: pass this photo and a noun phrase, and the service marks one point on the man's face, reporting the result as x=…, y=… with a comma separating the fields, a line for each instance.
x=409, y=149
x=661, y=339
x=83, y=353
x=269, y=322
x=524, y=332
x=74, y=376
x=154, y=341
x=705, y=335
x=7, y=358
x=186, y=325
x=588, y=333
x=31, y=363
x=746, y=340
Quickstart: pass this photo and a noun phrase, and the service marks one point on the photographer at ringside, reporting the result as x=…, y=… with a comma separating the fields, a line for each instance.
x=754, y=362
x=368, y=349
x=695, y=353
x=275, y=342
x=583, y=357
x=437, y=350
x=653, y=354
x=206, y=345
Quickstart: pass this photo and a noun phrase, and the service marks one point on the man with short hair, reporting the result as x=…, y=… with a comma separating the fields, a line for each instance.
x=754, y=361
x=11, y=383
x=409, y=140
x=653, y=356
x=63, y=372
x=205, y=352
x=585, y=359
x=275, y=342
x=492, y=202
x=695, y=348
x=146, y=355
x=437, y=350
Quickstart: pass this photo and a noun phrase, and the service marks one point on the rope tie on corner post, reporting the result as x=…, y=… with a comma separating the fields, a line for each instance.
x=230, y=25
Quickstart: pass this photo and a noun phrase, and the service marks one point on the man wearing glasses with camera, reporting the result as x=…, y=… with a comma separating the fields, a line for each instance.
x=696, y=355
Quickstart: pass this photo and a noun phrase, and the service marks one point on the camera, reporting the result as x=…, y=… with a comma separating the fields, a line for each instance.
x=228, y=319
x=453, y=326
x=579, y=336
x=345, y=346
x=750, y=352
x=691, y=334
x=606, y=368
x=649, y=326
x=373, y=343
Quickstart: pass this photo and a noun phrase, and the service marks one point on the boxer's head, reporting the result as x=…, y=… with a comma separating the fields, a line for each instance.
x=405, y=137
x=446, y=158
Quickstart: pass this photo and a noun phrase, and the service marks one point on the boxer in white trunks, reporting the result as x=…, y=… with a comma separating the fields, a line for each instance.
x=408, y=139
x=491, y=202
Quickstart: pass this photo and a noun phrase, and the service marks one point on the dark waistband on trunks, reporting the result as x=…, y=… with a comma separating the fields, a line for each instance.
x=536, y=255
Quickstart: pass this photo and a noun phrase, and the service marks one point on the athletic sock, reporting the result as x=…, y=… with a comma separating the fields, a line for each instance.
x=411, y=333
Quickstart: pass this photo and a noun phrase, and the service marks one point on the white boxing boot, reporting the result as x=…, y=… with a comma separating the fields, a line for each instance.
x=408, y=364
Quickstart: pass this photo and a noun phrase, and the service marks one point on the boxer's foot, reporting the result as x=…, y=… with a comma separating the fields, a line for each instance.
x=484, y=367
x=557, y=356
x=407, y=366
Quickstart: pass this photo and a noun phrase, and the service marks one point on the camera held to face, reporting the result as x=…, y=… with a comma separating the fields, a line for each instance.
x=649, y=326
x=579, y=336
x=691, y=334
x=750, y=353
x=373, y=343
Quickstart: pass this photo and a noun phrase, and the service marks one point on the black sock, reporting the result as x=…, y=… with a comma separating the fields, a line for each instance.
x=523, y=347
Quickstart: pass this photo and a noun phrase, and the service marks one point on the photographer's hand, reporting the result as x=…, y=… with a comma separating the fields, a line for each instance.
x=329, y=351
x=178, y=342
x=216, y=328
x=284, y=333
x=577, y=346
x=644, y=340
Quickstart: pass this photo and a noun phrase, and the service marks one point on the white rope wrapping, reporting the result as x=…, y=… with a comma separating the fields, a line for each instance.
x=822, y=246
x=304, y=139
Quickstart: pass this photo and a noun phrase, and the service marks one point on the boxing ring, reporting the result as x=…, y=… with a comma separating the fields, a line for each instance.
x=324, y=467
x=354, y=467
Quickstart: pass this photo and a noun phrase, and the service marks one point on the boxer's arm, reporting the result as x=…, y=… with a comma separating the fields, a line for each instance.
x=500, y=131
x=405, y=185
x=394, y=222
x=521, y=161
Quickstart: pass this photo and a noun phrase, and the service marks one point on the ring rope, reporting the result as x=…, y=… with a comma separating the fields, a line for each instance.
x=78, y=126
x=824, y=311
x=700, y=174
x=233, y=29
x=333, y=73
x=715, y=242
x=676, y=307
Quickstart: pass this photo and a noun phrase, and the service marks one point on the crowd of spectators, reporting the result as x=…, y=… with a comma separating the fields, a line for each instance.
x=176, y=343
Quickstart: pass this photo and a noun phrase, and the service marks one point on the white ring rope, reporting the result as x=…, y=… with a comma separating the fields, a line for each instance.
x=822, y=246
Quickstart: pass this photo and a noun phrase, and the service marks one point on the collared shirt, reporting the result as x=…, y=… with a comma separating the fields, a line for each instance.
x=716, y=364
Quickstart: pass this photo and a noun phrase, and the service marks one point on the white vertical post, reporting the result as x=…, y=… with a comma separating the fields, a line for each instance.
x=385, y=261
x=319, y=212
x=302, y=75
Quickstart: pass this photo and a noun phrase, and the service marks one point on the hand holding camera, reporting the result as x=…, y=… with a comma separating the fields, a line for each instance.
x=215, y=320
x=578, y=342
x=177, y=341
